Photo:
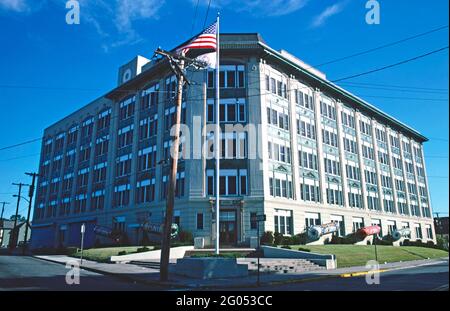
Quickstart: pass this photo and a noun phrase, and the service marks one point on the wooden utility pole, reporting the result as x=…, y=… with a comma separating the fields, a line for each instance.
x=177, y=63
x=30, y=195
x=13, y=239
x=3, y=209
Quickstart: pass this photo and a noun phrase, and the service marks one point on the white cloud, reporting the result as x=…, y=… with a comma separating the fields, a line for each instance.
x=320, y=19
x=14, y=5
x=257, y=7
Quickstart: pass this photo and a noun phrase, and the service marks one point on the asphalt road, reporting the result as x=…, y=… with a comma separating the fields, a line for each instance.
x=422, y=278
x=28, y=273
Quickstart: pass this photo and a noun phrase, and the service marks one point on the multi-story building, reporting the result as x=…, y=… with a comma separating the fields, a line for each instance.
x=323, y=154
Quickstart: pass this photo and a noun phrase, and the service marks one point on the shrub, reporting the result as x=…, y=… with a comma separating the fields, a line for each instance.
x=121, y=253
x=286, y=247
x=185, y=237
x=267, y=238
x=277, y=238
x=142, y=249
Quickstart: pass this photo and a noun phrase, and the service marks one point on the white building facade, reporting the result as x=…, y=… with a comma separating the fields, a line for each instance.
x=323, y=155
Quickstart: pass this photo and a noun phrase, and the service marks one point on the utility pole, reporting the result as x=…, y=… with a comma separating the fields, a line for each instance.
x=30, y=195
x=3, y=209
x=14, y=237
x=177, y=64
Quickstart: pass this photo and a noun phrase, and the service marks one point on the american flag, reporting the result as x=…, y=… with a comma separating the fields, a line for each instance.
x=207, y=40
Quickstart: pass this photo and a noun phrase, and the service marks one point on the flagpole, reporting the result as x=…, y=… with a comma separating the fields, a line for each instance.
x=217, y=136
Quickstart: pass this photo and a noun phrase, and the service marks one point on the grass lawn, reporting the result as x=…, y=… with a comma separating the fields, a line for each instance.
x=104, y=254
x=358, y=255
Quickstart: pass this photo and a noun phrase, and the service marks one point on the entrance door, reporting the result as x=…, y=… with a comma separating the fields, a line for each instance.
x=228, y=229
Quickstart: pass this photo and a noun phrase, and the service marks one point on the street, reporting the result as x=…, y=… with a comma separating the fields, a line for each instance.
x=423, y=278
x=28, y=273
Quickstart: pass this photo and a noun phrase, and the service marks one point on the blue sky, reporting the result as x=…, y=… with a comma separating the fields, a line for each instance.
x=41, y=55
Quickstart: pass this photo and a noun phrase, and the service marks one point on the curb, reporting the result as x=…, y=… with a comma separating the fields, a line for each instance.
x=119, y=276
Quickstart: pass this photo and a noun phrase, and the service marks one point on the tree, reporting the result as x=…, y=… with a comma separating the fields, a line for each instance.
x=19, y=218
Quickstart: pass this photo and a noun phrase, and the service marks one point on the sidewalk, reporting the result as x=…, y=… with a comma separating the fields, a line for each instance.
x=150, y=276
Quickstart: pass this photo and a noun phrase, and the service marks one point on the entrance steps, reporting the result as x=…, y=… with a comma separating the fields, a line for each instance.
x=280, y=265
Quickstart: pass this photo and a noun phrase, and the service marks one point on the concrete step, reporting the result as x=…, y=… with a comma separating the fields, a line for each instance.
x=280, y=265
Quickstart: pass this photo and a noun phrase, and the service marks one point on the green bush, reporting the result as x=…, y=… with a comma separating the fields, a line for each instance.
x=143, y=249
x=277, y=238
x=267, y=238
x=286, y=247
x=121, y=253
x=185, y=237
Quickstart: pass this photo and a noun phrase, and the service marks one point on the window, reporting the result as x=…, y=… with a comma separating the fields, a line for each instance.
x=371, y=177
x=276, y=87
x=278, y=119
x=402, y=208
x=101, y=146
x=354, y=200
x=59, y=142
x=386, y=181
x=179, y=186
x=373, y=203
x=367, y=152
x=283, y=222
x=334, y=197
x=232, y=182
x=348, y=119
x=67, y=182
x=87, y=127
x=365, y=128
x=392, y=227
x=123, y=165
x=329, y=138
x=148, y=127
x=310, y=193
x=72, y=135
x=231, y=110
x=121, y=195
x=70, y=159
x=306, y=129
x=171, y=87
x=395, y=142
x=358, y=223
x=149, y=97
x=312, y=219
x=281, y=186
x=353, y=172
x=104, y=119
x=350, y=146
x=65, y=207
x=83, y=177
x=327, y=110
x=307, y=160
x=126, y=108
x=279, y=153
x=231, y=76
x=54, y=185
x=125, y=136
x=80, y=203
x=332, y=167
x=397, y=163
x=389, y=206
x=100, y=172
x=418, y=230
x=304, y=100
x=429, y=232
x=383, y=158
x=380, y=135
x=98, y=200
x=400, y=185
x=145, y=191
x=339, y=222
x=147, y=158
x=119, y=224
x=170, y=116
x=85, y=153
x=200, y=221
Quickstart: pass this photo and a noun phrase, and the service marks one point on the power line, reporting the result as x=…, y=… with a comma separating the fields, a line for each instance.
x=405, y=98
x=20, y=144
x=207, y=12
x=395, y=86
x=392, y=65
x=380, y=47
x=396, y=89
x=195, y=17
x=21, y=157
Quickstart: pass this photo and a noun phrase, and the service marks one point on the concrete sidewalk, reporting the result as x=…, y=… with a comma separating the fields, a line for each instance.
x=144, y=275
